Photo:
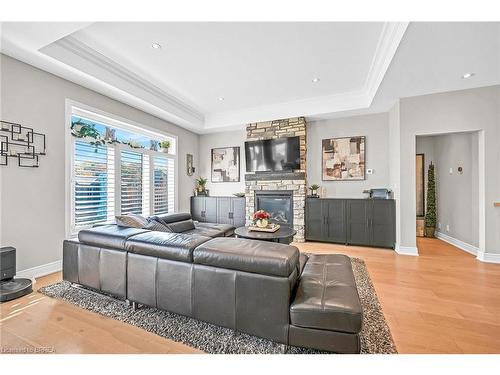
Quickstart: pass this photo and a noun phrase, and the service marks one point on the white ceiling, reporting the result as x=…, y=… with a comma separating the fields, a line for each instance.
x=262, y=70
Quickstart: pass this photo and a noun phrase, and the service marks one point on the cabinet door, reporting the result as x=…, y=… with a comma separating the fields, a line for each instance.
x=358, y=214
x=315, y=220
x=197, y=207
x=211, y=209
x=224, y=211
x=334, y=210
x=383, y=223
x=239, y=208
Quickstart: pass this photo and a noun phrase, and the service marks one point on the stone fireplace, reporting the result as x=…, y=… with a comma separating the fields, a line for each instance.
x=283, y=192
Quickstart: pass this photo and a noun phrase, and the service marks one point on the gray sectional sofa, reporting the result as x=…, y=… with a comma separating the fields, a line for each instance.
x=261, y=288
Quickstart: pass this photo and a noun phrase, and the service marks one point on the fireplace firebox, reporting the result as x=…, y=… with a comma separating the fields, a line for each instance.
x=279, y=203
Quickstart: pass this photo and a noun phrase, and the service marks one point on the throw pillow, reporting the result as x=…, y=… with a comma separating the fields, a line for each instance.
x=131, y=220
x=157, y=226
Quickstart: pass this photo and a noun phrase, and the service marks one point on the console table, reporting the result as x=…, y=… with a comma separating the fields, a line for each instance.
x=282, y=235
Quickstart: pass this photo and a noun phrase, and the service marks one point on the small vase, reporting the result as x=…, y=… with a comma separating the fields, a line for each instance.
x=262, y=223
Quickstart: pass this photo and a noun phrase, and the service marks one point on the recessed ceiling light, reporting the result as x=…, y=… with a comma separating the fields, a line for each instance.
x=467, y=75
x=156, y=45
x=315, y=80
x=221, y=99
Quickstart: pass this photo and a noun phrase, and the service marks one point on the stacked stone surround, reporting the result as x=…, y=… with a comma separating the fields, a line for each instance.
x=295, y=182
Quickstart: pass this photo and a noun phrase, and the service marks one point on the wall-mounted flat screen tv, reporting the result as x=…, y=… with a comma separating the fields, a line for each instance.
x=282, y=154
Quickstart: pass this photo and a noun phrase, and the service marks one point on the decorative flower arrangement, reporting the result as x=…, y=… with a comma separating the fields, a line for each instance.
x=260, y=218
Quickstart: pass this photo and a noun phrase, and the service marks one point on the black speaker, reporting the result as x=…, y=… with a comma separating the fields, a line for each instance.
x=7, y=263
x=11, y=288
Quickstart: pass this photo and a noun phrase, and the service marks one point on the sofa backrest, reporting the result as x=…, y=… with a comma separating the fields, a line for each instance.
x=265, y=258
x=111, y=236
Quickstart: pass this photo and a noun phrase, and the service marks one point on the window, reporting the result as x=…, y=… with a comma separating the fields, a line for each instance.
x=163, y=185
x=93, y=184
x=117, y=168
x=131, y=183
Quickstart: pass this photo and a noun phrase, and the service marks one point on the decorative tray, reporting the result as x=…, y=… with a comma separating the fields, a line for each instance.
x=271, y=228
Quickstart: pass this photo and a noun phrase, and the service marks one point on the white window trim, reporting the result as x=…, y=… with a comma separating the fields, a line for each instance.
x=73, y=107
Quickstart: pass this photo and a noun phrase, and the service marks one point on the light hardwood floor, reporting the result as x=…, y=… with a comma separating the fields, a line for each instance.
x=444, y=301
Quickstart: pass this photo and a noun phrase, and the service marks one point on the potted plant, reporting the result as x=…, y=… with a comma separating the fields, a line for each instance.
x=260, y=218
x=200, y=184
x=165, y=145
x=430, y=212
x=314, y=190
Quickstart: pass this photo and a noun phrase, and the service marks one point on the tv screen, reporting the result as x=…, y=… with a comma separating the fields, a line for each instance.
x=273, y=154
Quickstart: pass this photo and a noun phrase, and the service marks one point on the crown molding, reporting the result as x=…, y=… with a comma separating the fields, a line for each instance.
x=388, y=43
x=82, y=57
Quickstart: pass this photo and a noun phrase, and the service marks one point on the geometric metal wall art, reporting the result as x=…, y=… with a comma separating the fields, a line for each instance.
x=21, y=143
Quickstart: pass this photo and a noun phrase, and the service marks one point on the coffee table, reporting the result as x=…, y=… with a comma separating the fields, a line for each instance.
x=282, y=235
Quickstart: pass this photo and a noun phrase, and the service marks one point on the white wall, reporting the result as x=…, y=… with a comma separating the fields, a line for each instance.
x=376, y=130
x=33, y=199
x=451, y=112
x=456, y=194
x=215, y=140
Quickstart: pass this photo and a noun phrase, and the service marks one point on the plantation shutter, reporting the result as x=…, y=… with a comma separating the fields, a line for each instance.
x=93, y=185
x=131, y=186
x=161, y=184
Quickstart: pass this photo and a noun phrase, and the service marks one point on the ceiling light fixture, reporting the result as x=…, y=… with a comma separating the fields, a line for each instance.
x=315, y=80
x=221, y=99
x=467, y=75
x=156, y=45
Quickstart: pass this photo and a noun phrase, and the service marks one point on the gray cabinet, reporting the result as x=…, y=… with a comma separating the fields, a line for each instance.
x=315, y=220
x=383, y=223
x=222, y=210
x=368, y=222
x=358, y=219
x=325, y=220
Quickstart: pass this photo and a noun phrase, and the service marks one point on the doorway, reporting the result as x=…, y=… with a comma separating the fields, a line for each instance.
x=455, y=157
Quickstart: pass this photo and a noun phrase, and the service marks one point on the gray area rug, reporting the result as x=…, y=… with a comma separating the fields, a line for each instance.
x=375, y=337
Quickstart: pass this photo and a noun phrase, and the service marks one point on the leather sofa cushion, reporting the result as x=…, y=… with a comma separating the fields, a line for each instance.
x=174, y=246
x=205, y=231
x=267, y=258
x=110, y=236
x=173, y=217
x=327, y=297
x=227, y=229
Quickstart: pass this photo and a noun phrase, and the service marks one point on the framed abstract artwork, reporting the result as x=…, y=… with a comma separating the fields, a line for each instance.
x=343, y=159
x=226, y=164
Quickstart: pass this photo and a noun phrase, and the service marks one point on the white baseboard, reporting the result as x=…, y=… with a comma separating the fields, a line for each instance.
x=457, y=243
x=42, y=270
x=488, y=257
x=406, y=250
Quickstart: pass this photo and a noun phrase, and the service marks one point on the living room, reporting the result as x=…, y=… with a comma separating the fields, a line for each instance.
x=250, y=187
